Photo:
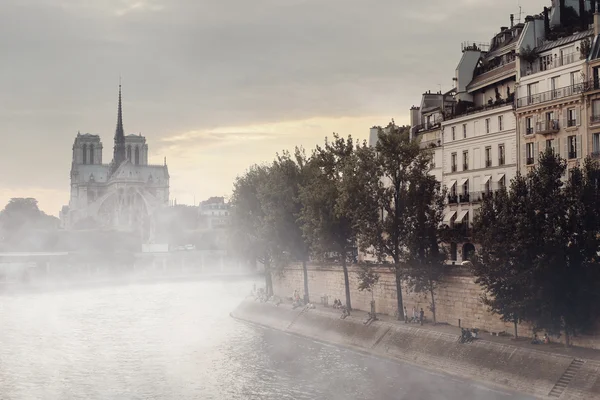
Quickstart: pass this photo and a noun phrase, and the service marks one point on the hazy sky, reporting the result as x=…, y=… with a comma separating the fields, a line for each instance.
x=217, y=85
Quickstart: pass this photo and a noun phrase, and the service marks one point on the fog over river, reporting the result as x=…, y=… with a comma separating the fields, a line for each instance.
x=177, y=341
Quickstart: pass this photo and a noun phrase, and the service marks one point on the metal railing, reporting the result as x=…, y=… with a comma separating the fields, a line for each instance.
x=552, y=94
x=529, y=131
x=453, y=168
x=488, y=163
x=501, y=161
x=572, y=154
x=427, y=126
x=545, y=64
x=547, y=126
x=595, y=119
x=571, y=122
x=465, y=167
x=595, y=154
x=529, y=161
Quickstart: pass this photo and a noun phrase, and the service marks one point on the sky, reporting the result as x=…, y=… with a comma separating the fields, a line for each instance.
x=217, y=85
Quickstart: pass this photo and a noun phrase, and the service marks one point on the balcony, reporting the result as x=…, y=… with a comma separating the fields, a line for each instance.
x=465, y=167
x=453, y=168
x=488, y=163
x=452, y=199
x=547, y=127
x=501, y=161
x=427, y=126
x=529, y=131
x=543, y=64
x=595, y=153
x=572, y=155
x=529, y=161
x=551, y=95
x=595, y=119
x=464, y=198
x=571, y=123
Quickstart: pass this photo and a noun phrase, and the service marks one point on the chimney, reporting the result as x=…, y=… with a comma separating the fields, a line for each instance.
x=546, y=22
x=582, y=21
x=512, y=20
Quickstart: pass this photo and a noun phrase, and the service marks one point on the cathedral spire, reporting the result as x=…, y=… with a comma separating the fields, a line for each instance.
x=119, y=149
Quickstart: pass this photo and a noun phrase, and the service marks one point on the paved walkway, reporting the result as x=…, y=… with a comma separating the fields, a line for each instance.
x=558, y=348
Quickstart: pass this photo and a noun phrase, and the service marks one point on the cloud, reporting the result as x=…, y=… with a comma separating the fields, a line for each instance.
x=194, y=72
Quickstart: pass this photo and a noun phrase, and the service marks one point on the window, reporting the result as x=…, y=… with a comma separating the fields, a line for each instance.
x=487, y=125
x=500, y=126
x=529, y=150
x=488, y=186
x=453, y=133
x=528, y=125
x=550, y=144
x=554, y=86
x=571, y=117
x=129, y=152
x=453, y=190
x=137, y=155
x=85, y=153
x=501, y=154
x=488, y=157
x=464, y=131
x=433, y=161
x=465, y=160
x=532, y=90
x=502, y=182
x=595, y=111
x=596, y=145
x=572, y=146
x=453, y=251
x=465, y=188
x=453, y=162
x=573, y=78
x=91, y=153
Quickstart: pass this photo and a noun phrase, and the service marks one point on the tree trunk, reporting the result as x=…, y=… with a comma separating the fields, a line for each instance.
x=305, y=272
x=268, y=279
x=346, y=281
x=516, y=334
x=433, y=305
x=399, y=292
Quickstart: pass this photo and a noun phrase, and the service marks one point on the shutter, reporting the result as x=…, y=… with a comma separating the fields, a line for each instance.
x=554, y=148
x=558, y=147
x=535, y=152
x=524, y=154
x=577, y=119
x=564, y=118
x=578, y=144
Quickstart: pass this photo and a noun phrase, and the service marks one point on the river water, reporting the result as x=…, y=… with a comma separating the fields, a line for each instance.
x=177, y=341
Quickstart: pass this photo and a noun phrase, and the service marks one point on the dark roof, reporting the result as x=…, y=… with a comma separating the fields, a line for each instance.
x=595, y=52
x=566, y=40
x=503, y=72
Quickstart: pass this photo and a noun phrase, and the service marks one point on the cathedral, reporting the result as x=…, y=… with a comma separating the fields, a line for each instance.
x=121, y=195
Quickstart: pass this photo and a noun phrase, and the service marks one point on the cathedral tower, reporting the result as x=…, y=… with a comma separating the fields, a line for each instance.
x=119, y=149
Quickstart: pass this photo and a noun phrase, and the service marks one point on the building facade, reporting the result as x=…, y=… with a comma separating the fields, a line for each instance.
x=551, y=108
x=122, y=194
x=479, y=135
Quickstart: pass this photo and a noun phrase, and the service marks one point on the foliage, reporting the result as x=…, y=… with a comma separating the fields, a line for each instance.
x=426, y=253
x=401, y=164
x=338, y=200
x=24, y=227
x=528, y=54
x=367, y=278
x=539, y=242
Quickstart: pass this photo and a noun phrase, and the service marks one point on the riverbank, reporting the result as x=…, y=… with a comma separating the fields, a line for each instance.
x=563, y=374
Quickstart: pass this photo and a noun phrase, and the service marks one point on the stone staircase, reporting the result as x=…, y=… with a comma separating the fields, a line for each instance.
x=565, y=379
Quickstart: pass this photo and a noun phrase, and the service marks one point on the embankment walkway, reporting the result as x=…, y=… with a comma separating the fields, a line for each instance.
x=545, y=371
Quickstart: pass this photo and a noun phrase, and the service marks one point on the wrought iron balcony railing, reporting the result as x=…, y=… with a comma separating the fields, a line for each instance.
x=547, y=126
x=553, y=94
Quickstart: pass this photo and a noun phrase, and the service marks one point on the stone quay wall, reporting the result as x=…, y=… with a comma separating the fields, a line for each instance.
x=457, y=299
x=529, y=371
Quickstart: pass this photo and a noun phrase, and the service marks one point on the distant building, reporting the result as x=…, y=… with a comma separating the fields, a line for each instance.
x=122, y=194
x=215, y=212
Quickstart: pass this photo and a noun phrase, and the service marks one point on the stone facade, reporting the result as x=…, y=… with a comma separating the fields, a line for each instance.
x=458, y=298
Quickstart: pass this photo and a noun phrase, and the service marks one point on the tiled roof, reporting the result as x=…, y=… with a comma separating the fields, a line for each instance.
x=488, y=77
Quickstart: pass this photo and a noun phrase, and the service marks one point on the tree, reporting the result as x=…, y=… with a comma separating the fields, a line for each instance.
x=338, y=200
x=399, y=160
x=426, y=255
x=23, y=226
x=248, y=225
x=538, y=258
x=280, y=200
x=367, y=280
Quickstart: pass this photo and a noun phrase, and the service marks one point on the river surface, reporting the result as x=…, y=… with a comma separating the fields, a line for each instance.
x=176, y=341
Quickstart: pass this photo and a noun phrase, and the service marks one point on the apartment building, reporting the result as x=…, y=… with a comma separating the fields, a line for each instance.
x=552, y=74
x=426, y=125
x=591, y=141
x=479, y=136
